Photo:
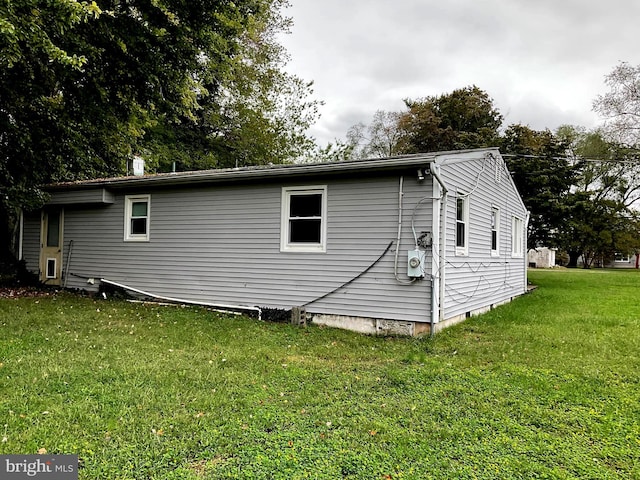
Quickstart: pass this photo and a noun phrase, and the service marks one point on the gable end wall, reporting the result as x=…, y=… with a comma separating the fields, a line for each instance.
x=479, y=280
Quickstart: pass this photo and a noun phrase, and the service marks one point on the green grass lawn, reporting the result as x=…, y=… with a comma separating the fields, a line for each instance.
x=545, y=387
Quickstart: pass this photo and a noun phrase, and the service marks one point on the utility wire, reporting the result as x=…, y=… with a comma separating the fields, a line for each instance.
x=375, y=262
x=571, y=159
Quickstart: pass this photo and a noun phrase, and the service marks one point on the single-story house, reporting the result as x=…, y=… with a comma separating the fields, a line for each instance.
x=403, y=245
x=624, y=260
x=619, y=260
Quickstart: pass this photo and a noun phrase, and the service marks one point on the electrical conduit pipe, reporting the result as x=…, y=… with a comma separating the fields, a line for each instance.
x=443, y=237
x=189, y=302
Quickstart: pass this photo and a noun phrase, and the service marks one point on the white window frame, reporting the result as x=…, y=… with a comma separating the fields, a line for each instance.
x=624, y=258
x=129, y=200
x=517, y=237
x=55, y=268
x=285, y=244
x=495, y=212
x=462, y=250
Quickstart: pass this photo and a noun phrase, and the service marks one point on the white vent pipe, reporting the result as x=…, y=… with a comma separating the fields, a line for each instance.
x=190, y=302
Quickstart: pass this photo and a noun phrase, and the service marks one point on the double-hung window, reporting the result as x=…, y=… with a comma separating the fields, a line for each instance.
x=462, y=224
x=495, y=231
x=304, y=219
x=621, y=257
x=517, y=237
x=136, y=218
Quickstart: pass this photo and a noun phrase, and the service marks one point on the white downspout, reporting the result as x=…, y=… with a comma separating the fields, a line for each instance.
x=435, y=249
x=525, y=254
x=442, y=243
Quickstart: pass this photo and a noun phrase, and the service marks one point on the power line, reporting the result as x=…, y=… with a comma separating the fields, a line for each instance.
x=573, y=159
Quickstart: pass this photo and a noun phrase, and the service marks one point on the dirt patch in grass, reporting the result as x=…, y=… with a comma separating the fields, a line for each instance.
x=201, y=467
x=26, y=291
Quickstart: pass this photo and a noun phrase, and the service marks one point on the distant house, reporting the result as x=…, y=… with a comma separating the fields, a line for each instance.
x=619, y=260
x=393, y=245
x=624, y=260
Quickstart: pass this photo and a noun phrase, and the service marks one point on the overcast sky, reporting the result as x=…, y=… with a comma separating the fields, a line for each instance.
x=542, y=61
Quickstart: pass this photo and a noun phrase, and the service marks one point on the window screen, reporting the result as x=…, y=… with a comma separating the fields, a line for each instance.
x=305, y=218
x=139, y=218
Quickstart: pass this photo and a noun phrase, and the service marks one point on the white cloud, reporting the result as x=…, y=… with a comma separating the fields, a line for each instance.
x=543, y=62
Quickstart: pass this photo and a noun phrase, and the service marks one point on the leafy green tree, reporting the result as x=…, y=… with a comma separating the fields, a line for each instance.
x=37, y=25
x=579, y=186
x=260, y=116
x=595, y=229
x=85, y=86
x=599, y=216
x=577, y=189
x=544, y=177
x=609, y=170
x=627, y=239
x=36, y=130
x=336, y=151
x=464, y=118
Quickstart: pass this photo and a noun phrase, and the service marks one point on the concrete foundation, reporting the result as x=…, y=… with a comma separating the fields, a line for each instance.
x=382, y=327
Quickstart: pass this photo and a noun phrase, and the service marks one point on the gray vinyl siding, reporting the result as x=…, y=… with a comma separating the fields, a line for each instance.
x=31, y=241
x=84, y=197
x=479, y=280
x=221, y=244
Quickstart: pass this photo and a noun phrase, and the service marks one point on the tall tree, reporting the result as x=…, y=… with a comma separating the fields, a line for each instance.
x=464, y=118
x=621, y=105
x=595, y=229
x=378, y=139
x=599, y=219
x=609, y=170
x=544, y=177
x=260, y=116
x=84, y=86
x=36, y=128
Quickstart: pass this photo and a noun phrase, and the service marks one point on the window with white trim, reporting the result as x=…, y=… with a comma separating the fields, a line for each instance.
x=621, y=257
x=304, y=219
x=517, y=237
x=495, y=231
x=137, y=217
x=462, y=225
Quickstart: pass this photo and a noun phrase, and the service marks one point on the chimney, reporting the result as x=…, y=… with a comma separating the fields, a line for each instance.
x=138, y=166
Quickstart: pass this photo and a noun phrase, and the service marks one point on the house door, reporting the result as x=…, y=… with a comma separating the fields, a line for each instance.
x=51, y=247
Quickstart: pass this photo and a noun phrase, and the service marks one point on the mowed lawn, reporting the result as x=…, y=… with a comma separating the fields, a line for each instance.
x=545, y=387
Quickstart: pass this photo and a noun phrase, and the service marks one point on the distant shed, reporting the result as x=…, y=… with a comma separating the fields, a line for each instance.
x=542, y=257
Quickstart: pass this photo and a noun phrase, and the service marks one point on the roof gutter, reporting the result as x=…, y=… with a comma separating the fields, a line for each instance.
x=252, y=173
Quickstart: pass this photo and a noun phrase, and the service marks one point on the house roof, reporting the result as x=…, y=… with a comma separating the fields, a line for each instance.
x=265, y=172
